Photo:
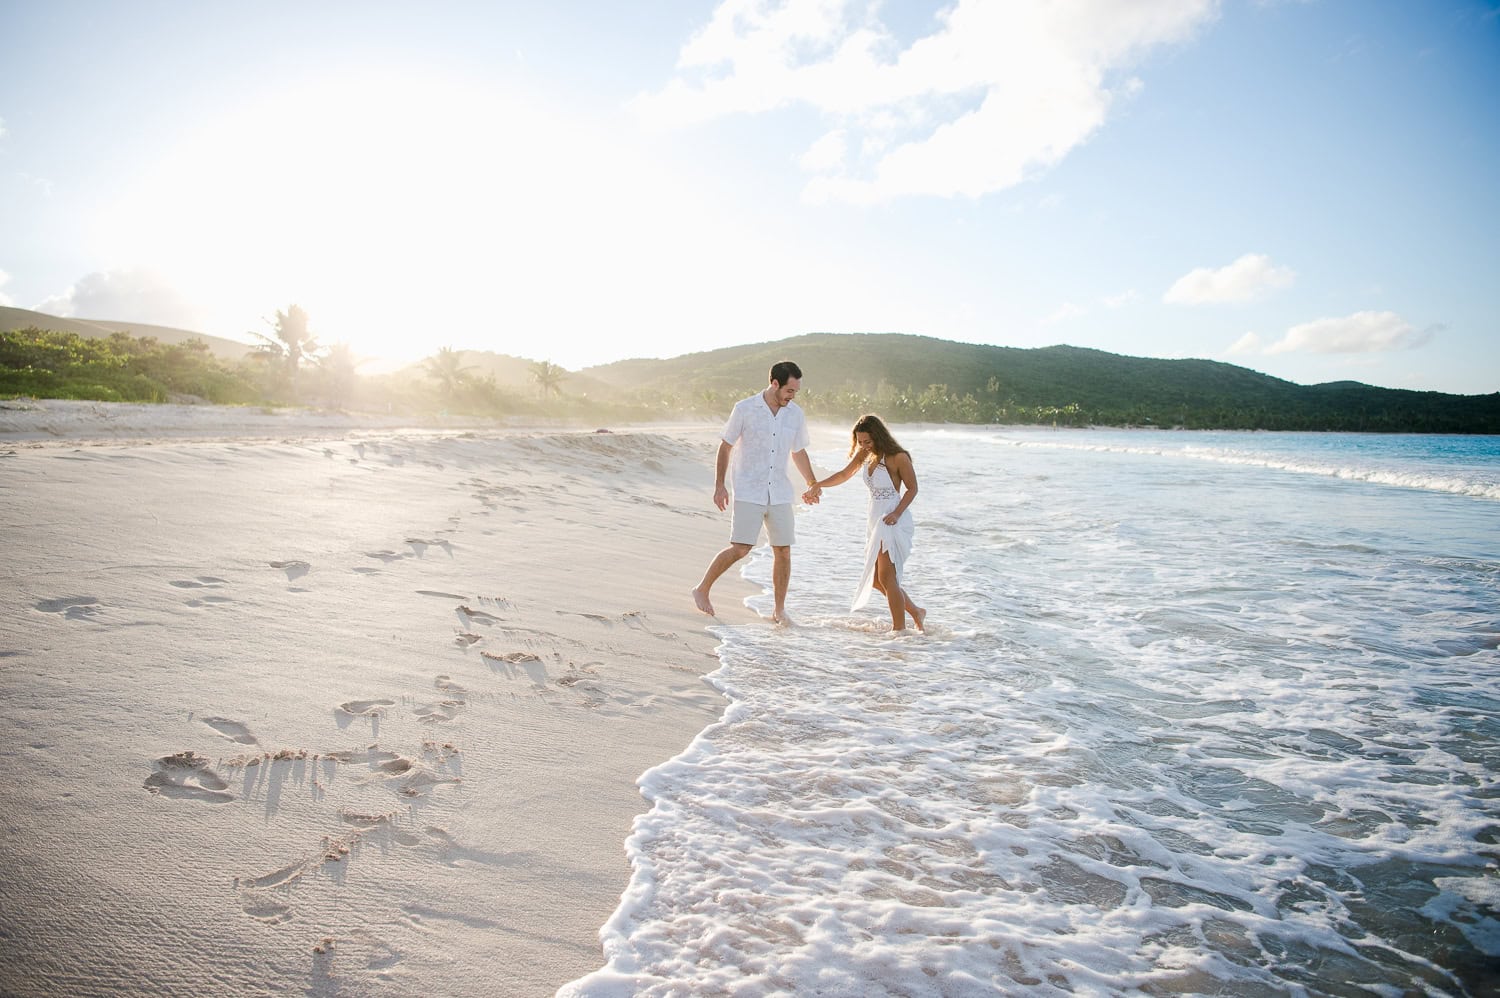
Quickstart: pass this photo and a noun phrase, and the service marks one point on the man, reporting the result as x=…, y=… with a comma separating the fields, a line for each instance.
x=762, y=432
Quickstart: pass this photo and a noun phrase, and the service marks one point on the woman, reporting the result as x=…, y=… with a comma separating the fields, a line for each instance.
x=888, y=474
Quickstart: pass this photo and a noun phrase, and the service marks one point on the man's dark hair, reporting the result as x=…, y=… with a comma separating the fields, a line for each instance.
x=785, y=371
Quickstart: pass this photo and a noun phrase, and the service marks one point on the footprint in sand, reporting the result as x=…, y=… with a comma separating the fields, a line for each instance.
x=72, y=607
x=445, y=710
x=597, y=618
x=446, y=683
x=464, y=639
x=293, y=569
x=419, y=783
x=385, y=556
x=511, y=657
x=186, y=775
x=255, y=892
x=378, y=824
x=467, y=612
x=266, y=910
x=414, y=779
x=439, y=595
x=361, y=820
x=365, y=708
x=277, y=878
x=233, y=730
x=201, y=582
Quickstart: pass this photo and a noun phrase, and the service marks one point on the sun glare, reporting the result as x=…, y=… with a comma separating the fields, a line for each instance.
x=394, y=211
x=407, y=214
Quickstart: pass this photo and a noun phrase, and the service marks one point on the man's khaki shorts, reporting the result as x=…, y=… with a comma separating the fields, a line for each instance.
x=748, y=517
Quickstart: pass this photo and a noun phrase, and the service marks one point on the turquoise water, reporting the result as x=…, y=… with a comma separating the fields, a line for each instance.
x=1196, y=713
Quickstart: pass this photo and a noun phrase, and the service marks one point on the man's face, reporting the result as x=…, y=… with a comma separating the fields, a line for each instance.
x=785, y=393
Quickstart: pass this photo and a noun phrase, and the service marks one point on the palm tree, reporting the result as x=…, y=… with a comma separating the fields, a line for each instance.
x=707, y=403
x=338, y=367
x=548, y=377
x=293, y=342
x=446, y=367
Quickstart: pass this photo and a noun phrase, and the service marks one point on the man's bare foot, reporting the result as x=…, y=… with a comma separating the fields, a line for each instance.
x=701, y=598
x=919, y=615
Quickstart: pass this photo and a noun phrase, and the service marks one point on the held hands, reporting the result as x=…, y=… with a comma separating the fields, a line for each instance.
x=812, y=496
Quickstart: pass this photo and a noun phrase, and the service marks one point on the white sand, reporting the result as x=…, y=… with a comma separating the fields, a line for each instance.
x=350, y=710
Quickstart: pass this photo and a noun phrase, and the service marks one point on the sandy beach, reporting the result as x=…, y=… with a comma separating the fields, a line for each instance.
x=318, y=703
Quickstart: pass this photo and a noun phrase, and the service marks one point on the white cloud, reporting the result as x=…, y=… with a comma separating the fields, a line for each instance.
x=1122, y=299
x=1250, y=343
x=1066, y=311
x=996, y=93
x=1362, y=332
x=825, y=154
x=1247, y=278
x=130, y=295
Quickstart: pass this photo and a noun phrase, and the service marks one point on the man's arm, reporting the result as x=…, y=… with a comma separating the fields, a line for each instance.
x=721, y=468
x=814, y=490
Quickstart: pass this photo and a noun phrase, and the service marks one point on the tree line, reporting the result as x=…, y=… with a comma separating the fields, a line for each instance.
x=904, y=378
x=288, y=367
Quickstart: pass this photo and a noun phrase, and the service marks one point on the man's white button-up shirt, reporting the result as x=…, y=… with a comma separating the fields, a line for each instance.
x=763, y=442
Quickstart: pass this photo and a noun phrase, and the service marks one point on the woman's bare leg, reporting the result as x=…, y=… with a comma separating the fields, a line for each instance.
x=885, y=581
x=900, y=603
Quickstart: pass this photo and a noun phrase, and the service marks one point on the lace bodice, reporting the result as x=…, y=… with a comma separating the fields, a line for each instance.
x=878, y=481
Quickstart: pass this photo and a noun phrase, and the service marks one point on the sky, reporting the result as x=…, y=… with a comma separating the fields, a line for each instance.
x=1307, y=188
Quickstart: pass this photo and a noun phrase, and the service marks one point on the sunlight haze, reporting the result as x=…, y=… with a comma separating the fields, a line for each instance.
x=1302, y=188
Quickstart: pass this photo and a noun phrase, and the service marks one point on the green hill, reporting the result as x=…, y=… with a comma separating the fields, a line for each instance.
x=918, y=377
x=905, y=378
x=21, y=318
x=514, y=373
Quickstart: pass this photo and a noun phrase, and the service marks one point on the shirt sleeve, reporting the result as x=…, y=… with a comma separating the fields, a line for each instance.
x=734, y=427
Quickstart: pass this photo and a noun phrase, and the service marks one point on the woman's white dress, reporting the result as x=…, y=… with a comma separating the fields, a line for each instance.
x=883, y=536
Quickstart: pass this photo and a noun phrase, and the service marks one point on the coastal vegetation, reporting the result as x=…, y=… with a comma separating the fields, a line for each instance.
x=906, y=378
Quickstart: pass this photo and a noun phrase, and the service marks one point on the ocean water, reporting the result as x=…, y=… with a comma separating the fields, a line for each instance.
x=1196, y=713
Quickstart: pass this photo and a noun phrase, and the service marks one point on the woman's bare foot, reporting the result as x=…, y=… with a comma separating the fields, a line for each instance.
x=701, y=598
x=919, y=615
x=781, y=619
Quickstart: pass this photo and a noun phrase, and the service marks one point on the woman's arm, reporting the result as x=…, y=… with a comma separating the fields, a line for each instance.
x=902, y=471
x=840, y=477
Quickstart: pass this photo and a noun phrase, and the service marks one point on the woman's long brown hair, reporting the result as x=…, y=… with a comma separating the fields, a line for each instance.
x=882, y=444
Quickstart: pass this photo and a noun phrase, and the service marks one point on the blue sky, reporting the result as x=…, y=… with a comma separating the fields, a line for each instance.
x=1303, y=187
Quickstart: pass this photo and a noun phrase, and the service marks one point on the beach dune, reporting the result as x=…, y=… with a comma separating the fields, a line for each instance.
x=329, y=709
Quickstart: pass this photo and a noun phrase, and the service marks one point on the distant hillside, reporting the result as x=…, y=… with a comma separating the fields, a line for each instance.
x=514, y=373
x=905, y=378
x=21, y=318
x=897, y=373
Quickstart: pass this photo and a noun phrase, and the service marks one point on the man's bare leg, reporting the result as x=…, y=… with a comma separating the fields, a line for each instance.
x=716, y=568
x=781, y=577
